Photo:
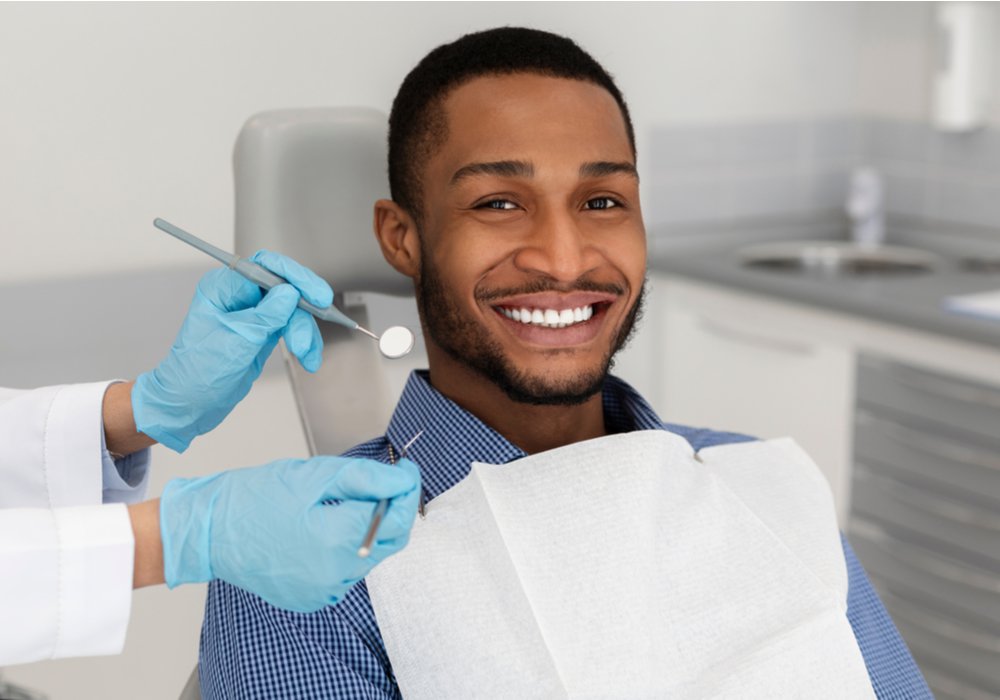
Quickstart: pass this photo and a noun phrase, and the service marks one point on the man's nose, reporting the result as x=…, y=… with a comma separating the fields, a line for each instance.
x=557, y=247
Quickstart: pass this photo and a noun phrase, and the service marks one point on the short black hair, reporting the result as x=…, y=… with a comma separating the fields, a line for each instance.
x=417, y=124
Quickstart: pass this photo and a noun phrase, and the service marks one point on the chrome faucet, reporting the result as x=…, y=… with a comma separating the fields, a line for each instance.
x=866, y=207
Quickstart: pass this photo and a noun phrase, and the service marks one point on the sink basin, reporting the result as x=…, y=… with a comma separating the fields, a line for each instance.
x=837, y=258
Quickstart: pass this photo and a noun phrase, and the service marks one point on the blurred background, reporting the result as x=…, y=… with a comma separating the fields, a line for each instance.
x=775, y=140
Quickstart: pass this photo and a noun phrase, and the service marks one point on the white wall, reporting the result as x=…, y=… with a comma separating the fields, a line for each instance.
x=113, y=114
x=895, y=52
x=897, y=57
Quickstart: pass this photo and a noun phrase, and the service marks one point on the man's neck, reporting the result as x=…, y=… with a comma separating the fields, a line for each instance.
x=529, y=427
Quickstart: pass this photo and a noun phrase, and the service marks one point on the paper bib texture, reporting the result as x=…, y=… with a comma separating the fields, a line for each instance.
x=625, y=567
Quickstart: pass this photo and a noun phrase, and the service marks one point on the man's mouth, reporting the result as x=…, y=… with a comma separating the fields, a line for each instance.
x=548, y=318
x=555, y=319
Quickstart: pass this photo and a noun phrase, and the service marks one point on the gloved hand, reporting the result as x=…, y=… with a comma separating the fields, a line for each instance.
x=265, y=529
x=229, y=332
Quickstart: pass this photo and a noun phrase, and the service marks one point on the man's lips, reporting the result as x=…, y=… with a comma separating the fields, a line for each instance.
x=553, y=319
x=554, y=300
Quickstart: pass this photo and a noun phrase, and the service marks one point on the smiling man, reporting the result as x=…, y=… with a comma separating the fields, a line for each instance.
x=515, y=210
x=523, y=234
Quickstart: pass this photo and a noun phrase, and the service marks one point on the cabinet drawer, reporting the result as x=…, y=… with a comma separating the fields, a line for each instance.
x=962, y=405
x=968, y=467
x=946, y=687
x=952, y=528
x=962, y=591
x=940, y=643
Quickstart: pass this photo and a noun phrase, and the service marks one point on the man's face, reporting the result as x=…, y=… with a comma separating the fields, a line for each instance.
x=533, y=251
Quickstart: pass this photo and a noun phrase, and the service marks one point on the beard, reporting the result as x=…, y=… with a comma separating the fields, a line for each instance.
x=468, y=342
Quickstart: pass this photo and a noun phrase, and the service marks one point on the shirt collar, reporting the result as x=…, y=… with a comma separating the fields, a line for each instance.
x=453, y=438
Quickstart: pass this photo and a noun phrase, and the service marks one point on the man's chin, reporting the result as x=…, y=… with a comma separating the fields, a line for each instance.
x=537, y=391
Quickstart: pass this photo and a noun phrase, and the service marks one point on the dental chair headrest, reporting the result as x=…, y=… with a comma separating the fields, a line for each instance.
x=306, y=180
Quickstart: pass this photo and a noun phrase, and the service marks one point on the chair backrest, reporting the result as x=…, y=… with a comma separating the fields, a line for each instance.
x=306, y=180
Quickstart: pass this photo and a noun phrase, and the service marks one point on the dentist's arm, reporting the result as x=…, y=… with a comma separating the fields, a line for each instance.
x=265, y=529
x=268, y=529
x=147, y=568
x=120, y=434
x=288, y=531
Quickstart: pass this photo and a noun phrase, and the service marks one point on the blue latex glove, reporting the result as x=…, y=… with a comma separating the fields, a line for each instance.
x=266, y=529
x=229, y=332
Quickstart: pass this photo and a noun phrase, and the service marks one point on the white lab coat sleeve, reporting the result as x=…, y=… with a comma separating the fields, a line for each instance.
x=65, y=560
x=66, y=588
x=52, y=450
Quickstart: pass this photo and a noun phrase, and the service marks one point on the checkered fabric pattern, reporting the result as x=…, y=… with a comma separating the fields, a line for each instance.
x=250, y=649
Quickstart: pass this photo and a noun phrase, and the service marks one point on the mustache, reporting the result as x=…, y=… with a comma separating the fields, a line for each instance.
x=546, y=285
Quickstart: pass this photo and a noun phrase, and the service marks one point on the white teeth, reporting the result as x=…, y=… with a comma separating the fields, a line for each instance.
x=549, y=318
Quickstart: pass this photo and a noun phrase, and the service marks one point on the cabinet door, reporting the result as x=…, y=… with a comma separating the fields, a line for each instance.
x=737, y=363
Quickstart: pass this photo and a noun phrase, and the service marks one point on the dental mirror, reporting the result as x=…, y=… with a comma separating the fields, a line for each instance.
x=396, y=342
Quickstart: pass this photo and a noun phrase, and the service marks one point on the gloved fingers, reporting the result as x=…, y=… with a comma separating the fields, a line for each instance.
x=303, y=340
x=341, y=529
x=313, y=287
x=410, y=467
x=368, y=480
x=227, y=290
x=383, y=549
x=267, y=319
x=276, y=308
x=399, y=516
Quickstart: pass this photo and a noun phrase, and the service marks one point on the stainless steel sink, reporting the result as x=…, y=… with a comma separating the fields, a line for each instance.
x=837, y=258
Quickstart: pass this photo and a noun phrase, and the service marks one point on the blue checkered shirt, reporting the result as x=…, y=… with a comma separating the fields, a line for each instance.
x=250, y=649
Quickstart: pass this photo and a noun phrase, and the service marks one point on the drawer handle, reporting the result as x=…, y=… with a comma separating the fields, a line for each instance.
x=934, y=447
x=748, y=338
x=936, y=506
x=915, y=557
x=939, y=625
x=947, y=389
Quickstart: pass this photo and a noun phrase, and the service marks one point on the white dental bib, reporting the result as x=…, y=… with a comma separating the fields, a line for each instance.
x=625, y=567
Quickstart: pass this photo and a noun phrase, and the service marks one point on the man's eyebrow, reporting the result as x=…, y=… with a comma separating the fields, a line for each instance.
x=500, y=168
x=603, y=167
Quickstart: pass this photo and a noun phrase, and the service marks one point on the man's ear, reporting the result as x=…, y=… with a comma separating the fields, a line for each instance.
x=397, y=235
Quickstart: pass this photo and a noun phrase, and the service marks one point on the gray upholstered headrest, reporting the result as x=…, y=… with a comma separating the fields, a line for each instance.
x=306, y=180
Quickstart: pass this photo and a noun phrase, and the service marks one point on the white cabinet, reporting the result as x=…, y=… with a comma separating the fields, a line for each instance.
x=730, y=361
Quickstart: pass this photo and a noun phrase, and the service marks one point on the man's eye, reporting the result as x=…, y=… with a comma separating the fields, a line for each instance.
x=602, y=203
x=500, y=204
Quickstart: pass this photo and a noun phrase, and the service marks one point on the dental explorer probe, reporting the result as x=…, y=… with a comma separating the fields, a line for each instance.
x=383, y=505
x=396, y=342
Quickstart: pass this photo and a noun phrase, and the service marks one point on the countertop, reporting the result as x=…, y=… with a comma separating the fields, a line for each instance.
x=908, y=299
